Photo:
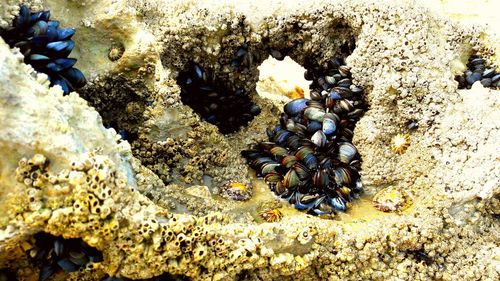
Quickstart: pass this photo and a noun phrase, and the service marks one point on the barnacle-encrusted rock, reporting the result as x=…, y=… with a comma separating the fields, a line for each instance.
x=63, y=173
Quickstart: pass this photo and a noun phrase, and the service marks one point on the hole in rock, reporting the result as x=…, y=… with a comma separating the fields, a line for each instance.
x=309, y=159
x=7, y=275
x=478, y=71
x=214, y=100
x=52, y=254
x=121, y=107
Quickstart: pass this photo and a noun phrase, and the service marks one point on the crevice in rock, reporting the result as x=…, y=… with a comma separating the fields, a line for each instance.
x=121, y=107
x=478, y=71
x=53, y=254
x=214, y=100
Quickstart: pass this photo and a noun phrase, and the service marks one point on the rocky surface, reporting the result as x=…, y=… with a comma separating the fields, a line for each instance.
x=156, y=205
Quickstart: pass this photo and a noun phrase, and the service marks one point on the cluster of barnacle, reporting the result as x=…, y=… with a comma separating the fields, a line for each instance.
x=46, y=47
x=215, y=102
x=182, y=238
x=52, y=254
x=478, y=71
x=309, y=159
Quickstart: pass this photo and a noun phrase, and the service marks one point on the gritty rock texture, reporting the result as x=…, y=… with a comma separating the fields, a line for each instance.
x=156, y=205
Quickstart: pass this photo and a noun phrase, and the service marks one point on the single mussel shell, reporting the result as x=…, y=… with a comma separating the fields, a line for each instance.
x=344, y=70
x=345, y=83
x=489, y=73
x=75, y=77
x=329, y=126
x=251, y=154
x=290, y=125
x=293, y=142
x=266, y=145
x=269, y=168
x=273, y=177
x=279, y=188
x=61, y=34
x=58, y=247
x=276, y=54
x=295, y=107
x=330, y=80
x=319, y=138
x=282, y=136
x=347, y=151
x=300, y=130
x=473, y=77
x=278, y=152
x=322, y=209
x=314, y=114
x=303, y=151
x=356, y=90
x=302, y=171
x=78, y=258
x=314, y=126
x=320, y=178
x=288, y=161
x=356, y=113
x=306, y=202
x=346, y=105
x=291, y=179
x=338, y=203
x=24, y=17
x=46, y=272
x=67, y=265
x=315, y=96
x=258, y=162
x=199, y=72
x=315, y=104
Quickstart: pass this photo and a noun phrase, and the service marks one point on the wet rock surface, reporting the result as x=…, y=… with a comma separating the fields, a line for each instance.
x=149, y=191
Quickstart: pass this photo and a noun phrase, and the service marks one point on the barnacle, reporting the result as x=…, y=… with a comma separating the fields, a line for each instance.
x=309, y=159
x=400, y=143
x=391, y=199
x=237, y=191
x=46, y=47
x=271, y=215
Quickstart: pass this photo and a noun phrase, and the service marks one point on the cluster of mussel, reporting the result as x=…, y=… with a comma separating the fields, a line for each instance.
x=478, y=71
x=310, y=160
x=52, y=254
x=46, y=47
x=228, y=110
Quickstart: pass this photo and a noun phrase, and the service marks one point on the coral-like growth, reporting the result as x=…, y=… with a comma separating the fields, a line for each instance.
x=310, y=159
x=46, y=47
